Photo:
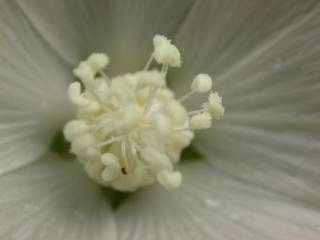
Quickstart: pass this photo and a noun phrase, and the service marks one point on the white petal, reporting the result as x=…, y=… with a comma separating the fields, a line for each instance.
x=211, y=205
x=123, y=29
x=264, y=58
x=251, y=49
x=33, y=82
x=53, y=199
x=281, y=155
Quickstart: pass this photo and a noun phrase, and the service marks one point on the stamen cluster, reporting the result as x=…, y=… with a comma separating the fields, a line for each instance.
x=130, y=130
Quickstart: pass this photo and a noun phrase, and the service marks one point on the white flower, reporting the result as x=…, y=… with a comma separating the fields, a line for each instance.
x=257, y=173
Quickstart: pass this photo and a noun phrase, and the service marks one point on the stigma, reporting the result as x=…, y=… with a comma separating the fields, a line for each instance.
x=130, y=130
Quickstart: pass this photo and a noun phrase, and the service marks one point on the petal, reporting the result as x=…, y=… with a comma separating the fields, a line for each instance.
x=33, y=82
x=123, y=28
x=211, y=205
x=264, y=57
x=249, y=47
x=282, y=156
x=53, y=199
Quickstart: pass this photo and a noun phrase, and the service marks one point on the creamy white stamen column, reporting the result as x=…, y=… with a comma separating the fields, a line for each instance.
x=130, y=130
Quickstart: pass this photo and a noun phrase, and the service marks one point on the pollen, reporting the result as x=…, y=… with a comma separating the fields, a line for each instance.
x=129, y=130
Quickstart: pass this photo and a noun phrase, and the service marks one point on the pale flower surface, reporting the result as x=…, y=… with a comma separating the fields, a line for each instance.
x=253, y=174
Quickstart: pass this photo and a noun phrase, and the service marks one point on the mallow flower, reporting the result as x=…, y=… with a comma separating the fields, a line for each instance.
x=172, y=119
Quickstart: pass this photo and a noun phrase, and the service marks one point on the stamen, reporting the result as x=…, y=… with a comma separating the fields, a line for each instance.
x=201, y=83
x=130, y=130
x=113, y=167
x=97, y=62
x=200, y=121
x=165, y=52
x=101, y=124
x=124, y=155
x=110, y=141
x=154, y=87
x=185, y=97
x=150, y=60
x=164, y=70
x=181, y=129
x=104, y=76
x=195, y=112
x=74, y=92
x=152, y=93
x=214, y=106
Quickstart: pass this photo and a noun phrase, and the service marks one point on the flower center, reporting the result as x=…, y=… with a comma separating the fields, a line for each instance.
x=130, y=130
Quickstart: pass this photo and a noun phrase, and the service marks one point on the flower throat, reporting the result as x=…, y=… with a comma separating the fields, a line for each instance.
x=130, y=130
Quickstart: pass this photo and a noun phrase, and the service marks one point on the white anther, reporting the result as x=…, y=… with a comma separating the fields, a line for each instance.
x=177, y=112
x=102, y=89
x=201, y=121
x=214, y=106
x=75, y=128
x=182, y=139
x=110, y=141
x=81, y=143
x=94, y=168
x=174, y=153
x=165, y=52
x=165, y=94
x=121, y=91
x=170, y=180
x=157, y=160
x=130, y=182
x=85, y=74
x=98, y=61
x=142, y=96
x=92, y=107
x=74, y=93
x=201, y=83
x=92, y=153
x=163, y=125
x=150, y=99
x=113, y=168
x=128, y=117
x=126, y=183
x=152, y=78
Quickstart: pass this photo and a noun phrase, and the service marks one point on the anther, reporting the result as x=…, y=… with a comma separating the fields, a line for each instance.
x=74, y=92
x=75, y=128
x=201, y=83
x=165, y=52
x=110, y=141
x=200, y=121
x=112, y=167
x=97, y=62
x=169, y=179
x=214, y=105
x=85, y=73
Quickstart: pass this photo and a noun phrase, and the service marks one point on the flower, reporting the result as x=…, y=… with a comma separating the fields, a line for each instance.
x=253, y=175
